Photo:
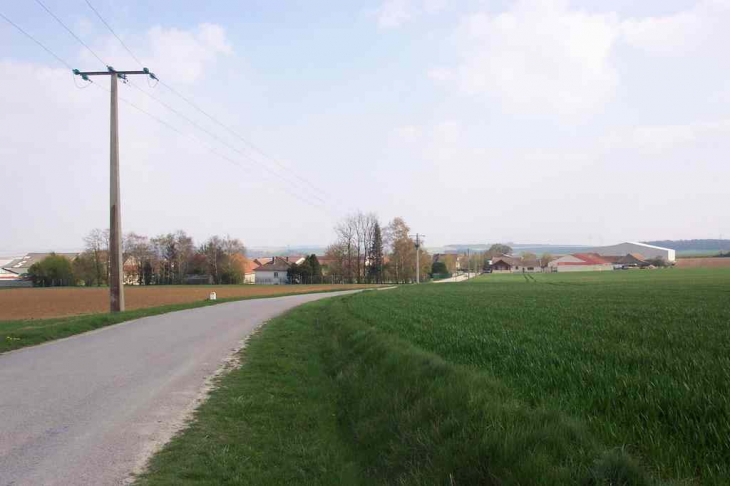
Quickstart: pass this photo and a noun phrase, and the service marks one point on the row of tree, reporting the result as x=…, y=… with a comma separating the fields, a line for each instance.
x=170, y=258
x=366, y=252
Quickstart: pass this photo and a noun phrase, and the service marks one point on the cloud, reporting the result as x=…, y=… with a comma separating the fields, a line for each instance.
x=681, y=33
x=539, y=56
x=544, y=57
x=658, y=140
x=395, y=13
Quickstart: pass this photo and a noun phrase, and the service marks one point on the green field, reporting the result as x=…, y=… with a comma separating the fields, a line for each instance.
x=591, y=378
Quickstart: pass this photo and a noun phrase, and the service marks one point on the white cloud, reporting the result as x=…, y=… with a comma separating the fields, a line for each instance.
x=539, y=56
x=546, y=57
x=655, y=140
x=394, y=13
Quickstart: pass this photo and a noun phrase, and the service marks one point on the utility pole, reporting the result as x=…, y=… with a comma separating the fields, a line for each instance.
x=418, y=257
x=116, y=284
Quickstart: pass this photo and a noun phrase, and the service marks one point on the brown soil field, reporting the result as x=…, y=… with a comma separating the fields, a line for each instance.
x=703, y=263
x=44, y=303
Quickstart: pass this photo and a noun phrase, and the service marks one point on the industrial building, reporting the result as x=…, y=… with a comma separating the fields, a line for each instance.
x=647, y=251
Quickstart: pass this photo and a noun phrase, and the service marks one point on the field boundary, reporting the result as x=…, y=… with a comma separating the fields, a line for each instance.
x=17, y=334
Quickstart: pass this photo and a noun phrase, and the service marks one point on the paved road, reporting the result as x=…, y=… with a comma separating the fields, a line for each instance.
x=90, y=409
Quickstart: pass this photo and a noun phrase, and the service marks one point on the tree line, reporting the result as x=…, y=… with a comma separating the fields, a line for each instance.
x=171, y=258
x=367, y=252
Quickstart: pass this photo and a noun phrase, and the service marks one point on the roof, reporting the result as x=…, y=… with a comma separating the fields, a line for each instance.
x=21, y=265
x=516, y=262
x=586, y=259
x=633, y=258
x=277, y=264
x=645, y=245
x=249, y=266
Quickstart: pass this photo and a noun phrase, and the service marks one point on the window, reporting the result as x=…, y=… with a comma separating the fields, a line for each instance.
x=276, y=274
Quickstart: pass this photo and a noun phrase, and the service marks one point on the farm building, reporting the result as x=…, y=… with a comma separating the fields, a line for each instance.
x=13, y=271
x=273, y=273
x=647, y=251
x=580, y=262
x=511, y=264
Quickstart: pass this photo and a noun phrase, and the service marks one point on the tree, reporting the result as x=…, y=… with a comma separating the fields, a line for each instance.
x=402, y=266
x=376, y=258
x=137, y=253
x=53, y=271
x=498, y=249
x=526, y=256
x=84, y=269
x=439, y=268
x=546, y=258
x=97, y=245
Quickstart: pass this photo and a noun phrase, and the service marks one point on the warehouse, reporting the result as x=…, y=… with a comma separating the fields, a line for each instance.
x=580, y=262
x=647, y=251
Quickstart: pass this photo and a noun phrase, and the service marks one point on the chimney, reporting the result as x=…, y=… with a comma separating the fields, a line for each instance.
x=287, y=258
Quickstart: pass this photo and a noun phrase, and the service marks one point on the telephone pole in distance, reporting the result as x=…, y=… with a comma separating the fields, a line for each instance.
x=116, y=284
x=418, y=257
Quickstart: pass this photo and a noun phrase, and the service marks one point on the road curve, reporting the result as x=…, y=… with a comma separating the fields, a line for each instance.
x=91, y=408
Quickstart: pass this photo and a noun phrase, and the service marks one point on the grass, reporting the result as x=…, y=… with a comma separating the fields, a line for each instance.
x=18, y=334
x=585, y=378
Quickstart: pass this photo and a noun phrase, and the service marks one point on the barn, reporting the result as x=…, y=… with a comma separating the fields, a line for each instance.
x=580, y=262
x=647, y=251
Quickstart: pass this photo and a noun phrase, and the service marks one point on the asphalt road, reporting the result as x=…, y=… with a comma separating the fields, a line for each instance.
x=90, y=409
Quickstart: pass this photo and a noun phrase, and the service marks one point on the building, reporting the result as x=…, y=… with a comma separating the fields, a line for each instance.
x=647, y=251
x=273, y=273
x=580, y=262
x=13, y=271
x=249, y=275
x=512, y=264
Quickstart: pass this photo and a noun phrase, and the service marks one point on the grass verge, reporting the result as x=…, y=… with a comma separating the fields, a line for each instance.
x=324, y=397
x=23, y=333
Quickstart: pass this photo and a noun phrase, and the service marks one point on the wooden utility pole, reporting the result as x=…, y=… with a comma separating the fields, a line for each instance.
x=116, y=277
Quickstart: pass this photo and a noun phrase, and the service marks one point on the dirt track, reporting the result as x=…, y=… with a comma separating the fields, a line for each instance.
x=46, y=303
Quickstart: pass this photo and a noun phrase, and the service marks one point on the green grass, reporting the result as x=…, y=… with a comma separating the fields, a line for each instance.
x=22, y=333
x=585, y=378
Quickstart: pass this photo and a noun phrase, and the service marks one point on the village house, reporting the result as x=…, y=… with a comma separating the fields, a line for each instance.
x=273, y=272
x=513, y=264
x=580, y=262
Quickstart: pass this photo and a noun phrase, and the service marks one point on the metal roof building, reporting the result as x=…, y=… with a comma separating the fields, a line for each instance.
x=647, y=251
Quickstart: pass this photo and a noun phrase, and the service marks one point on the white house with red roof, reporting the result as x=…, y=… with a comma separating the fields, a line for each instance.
x=580, y=262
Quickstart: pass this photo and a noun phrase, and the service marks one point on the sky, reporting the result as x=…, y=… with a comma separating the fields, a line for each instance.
x=529, y=121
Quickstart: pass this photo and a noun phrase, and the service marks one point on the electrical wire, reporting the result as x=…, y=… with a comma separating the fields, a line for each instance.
x=175, y=92
x=37, y=42
x=114, y=33
x=175, y=111
x=220, y=140
x=208, y=147
x=70, y=32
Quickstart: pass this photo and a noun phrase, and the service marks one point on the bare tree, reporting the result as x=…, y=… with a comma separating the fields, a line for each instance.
x=97, y=247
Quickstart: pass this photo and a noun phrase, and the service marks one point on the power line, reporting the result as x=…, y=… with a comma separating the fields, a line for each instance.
x=114, y=33
x=230, y=130
x=175, y=111
x=188, y=101
x=70, y=31
x=36, y=41
x=205, y=145
x=220, y=140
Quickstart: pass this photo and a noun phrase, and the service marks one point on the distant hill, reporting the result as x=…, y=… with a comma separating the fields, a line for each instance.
x=704, y=245
x=284, y=251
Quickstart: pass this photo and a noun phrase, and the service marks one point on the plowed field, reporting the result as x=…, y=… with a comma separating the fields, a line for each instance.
x=46, y=303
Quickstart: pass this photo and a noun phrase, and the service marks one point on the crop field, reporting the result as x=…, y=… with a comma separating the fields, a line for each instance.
x=586, y=378
x=44, y=303
x=641, y=357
